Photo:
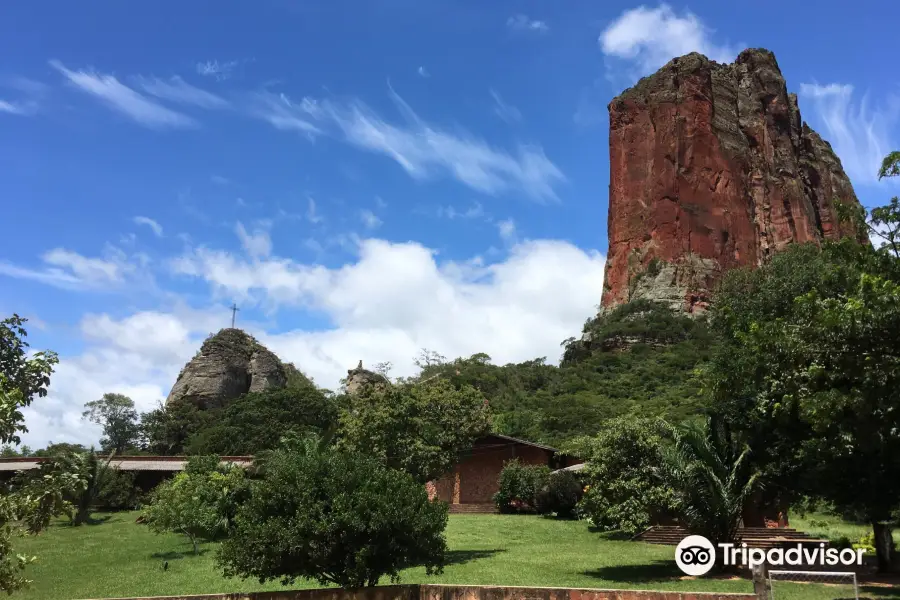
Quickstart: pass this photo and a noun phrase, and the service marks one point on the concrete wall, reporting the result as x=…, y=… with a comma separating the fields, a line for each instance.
x=462, y=592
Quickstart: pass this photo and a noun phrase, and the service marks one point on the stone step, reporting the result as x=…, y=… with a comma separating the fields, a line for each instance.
x=472, y=509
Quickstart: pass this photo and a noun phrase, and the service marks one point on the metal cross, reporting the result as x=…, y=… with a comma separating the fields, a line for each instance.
x=234, y=310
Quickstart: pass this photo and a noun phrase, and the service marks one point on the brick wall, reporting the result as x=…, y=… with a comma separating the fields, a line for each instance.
x=474, y=480
x=462, y=592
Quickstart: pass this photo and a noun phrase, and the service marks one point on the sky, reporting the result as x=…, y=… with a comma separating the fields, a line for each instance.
x=363, y=180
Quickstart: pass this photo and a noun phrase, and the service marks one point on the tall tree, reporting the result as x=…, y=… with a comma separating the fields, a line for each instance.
x=421, y=428
x=119, y=419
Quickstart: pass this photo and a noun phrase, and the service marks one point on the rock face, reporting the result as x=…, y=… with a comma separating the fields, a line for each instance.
x=359, y=378
x=230, y=363
x=711, y=167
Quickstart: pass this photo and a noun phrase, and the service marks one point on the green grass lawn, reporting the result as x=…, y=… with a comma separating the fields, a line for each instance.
x=119, y=558
x=830, y=527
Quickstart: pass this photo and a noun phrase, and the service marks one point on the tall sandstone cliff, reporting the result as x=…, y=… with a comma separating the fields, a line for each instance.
x=711, y=167
x=230, y=363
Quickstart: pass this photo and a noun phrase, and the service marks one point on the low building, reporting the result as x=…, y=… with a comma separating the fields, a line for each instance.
x=475, y=479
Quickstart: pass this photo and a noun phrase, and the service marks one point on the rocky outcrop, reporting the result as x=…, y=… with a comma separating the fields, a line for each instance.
x=230, y=363
x=360, y=378
x=711, y=167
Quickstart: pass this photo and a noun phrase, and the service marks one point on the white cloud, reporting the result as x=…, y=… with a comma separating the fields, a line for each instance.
x=178, y=90
x=257, y=244
x=424, y=151
x=380, y=202
x=125, y=100
x=648, y=38
x=14, y=108
x=524, y=23
x=388, y=303
x=423, y=72
x=861, y=136
x=369, y=220
x=156, y=227
x=219, y=180
x=69, y=270
x=281, y=113
x=507, y=112
x=216, y=70
x=507, y=231
x=451, y=212
x=311, y=214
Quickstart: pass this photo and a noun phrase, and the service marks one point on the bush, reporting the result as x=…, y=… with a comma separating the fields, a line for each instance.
x=559, y=495
x=336, y=517
x=519, y=486
x=625, y=490
x=867, y=543
x=117, y=491
x=199, y=502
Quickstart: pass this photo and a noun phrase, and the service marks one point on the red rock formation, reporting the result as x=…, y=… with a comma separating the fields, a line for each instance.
x=711, y=168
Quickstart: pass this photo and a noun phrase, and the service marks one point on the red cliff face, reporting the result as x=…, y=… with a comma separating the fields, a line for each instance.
x=711, y=168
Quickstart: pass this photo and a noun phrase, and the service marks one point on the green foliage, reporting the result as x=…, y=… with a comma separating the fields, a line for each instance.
x=560, y=495
x=199, y=502
x=116, y=414
x=625, y=488
x=22, y=377
x=336, y=517
x=519, y=486
x=421, y=427
x=712, y=479
x=166, y=430
x=255, y=422
x=117, y=491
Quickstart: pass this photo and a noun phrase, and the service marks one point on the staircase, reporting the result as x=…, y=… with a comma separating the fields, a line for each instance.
x=754, y=537
x=473, y=509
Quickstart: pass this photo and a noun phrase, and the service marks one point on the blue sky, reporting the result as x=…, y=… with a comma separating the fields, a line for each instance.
x=362, y=179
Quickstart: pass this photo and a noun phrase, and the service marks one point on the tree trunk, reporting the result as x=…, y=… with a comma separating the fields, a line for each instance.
x=884, y=546
x=196, y=548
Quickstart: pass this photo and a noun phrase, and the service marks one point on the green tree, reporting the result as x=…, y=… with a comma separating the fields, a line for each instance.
x=256, y=421
x=166, y=430
x=22, y=377
x=421, y=427
x=711, y=476
x=119, y=419
x=198, y=502
x=336, y=517
x=625, y=488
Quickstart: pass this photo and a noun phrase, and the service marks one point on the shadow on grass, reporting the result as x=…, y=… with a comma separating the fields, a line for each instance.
x=660, y=570
x=172, y=555
x=869, y=592
x=616, y=535
x=97, y=520
x=458, y=557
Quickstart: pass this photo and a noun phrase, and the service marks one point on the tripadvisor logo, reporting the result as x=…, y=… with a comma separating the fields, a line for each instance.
x=695, y=555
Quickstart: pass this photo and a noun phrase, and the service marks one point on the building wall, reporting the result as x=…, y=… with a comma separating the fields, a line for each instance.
x=475, y=479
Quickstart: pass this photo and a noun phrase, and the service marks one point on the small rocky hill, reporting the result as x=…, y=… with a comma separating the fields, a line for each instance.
x=360, y=378
x=229, y=364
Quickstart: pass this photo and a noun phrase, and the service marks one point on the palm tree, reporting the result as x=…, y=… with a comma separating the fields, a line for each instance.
x=712, y=476
x=93, y=473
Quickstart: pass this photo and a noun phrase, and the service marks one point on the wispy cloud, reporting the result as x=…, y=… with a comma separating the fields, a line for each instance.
x=281, y=113
x=524, y=23
x=861, y=135
x=369, y=220
x=507, y=112
x=425, y=151
x=647, y=38
x=423, y=72
x=125, y=100
x=507, y=231
x=219, y=71
x=178, y=90
x=14, y=108
x=70, y=270
x=219, y=180
x=257, y=244
x=156, y=227
x=475, y=211
x=312, y=214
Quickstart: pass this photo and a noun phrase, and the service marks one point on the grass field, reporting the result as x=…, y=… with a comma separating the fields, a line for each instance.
x=118, y=558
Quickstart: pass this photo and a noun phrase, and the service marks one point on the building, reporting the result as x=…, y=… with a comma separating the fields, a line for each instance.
x=475, y=479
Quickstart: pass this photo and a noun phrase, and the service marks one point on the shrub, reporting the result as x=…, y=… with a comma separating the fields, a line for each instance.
x=625, y=489
x=117, y=491
x=199, y=503
x=336, y=517
x=867, y=543
x=519, y=486
x=559, y=495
